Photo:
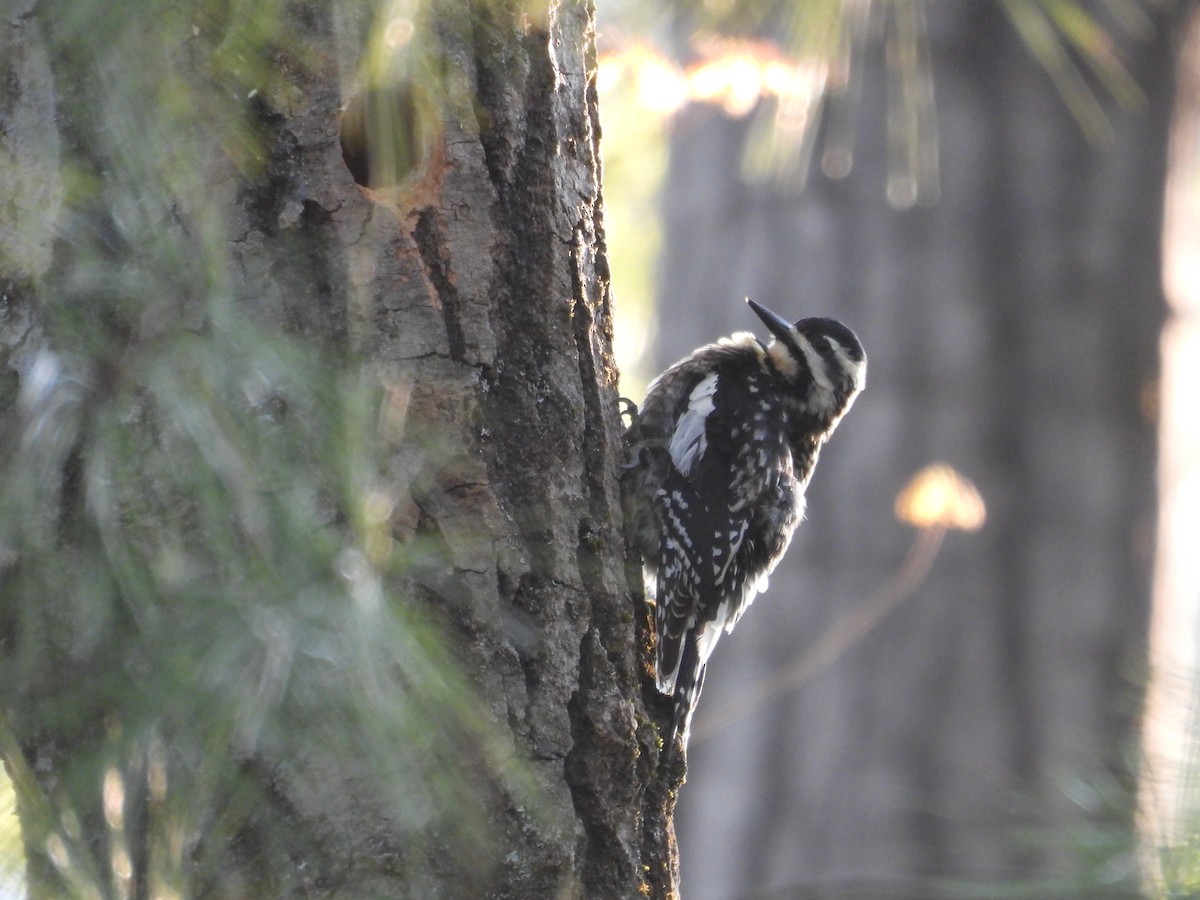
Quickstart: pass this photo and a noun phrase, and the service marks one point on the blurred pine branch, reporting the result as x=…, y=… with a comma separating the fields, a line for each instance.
x=1078, y=43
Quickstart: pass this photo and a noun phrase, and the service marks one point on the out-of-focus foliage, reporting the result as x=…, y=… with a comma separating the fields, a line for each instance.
x=11, y=854
x=1066, y=39
x=197, y=568
x=939, y=497
x=1170, y=790
x=804, y=83
x=225, y=586
x=819, y=44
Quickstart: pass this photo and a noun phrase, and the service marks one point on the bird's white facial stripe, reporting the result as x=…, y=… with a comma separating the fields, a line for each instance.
x=816, y=364
x=688, y=442
x=856, y=368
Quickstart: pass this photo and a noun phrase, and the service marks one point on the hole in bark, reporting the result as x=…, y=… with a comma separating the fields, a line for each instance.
x=390, y=134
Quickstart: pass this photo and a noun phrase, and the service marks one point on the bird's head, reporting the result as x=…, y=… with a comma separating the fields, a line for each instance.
x=820, y=359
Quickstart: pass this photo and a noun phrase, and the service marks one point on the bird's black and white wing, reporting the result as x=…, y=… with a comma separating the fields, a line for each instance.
x=720, y=449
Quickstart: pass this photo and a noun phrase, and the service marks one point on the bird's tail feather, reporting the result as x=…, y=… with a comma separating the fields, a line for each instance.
x=688, y=684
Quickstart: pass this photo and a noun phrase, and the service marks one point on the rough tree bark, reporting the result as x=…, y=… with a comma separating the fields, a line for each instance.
x=474, y=290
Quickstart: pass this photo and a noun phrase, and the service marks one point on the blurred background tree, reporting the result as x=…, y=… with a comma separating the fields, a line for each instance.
x=977, y=189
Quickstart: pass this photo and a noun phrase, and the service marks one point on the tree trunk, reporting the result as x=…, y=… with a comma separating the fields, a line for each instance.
x=392, y=646
x=982, y=732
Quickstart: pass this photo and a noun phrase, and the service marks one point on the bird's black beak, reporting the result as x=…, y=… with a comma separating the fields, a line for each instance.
x=780, y=327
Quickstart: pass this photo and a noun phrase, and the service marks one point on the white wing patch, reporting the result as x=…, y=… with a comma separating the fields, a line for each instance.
x=688, y=441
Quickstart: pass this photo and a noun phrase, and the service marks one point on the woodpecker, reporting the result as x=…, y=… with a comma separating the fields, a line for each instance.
x=723, y=446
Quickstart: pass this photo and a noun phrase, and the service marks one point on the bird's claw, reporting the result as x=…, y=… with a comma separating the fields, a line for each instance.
x=626, y=407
